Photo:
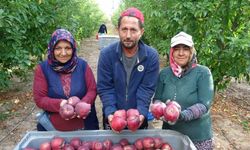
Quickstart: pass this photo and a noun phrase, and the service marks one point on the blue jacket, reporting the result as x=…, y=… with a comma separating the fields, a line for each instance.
x=111, y=79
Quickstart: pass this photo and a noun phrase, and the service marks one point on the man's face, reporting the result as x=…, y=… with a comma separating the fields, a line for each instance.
x=130, y=32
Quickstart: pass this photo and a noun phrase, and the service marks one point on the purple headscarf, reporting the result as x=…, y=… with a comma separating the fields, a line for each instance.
x=69, y=66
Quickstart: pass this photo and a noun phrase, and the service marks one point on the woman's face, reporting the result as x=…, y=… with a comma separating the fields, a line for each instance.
x=63, y=51
x=182, y=54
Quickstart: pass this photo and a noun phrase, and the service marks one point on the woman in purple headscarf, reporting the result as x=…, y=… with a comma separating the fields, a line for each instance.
x=60, y=77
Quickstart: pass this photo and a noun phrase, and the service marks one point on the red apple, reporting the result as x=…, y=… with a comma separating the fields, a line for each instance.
x=83, y=147
x=97, y=145
x=132, y=112
x=121, y=113
x=129, y=147
x=175, y=103
x=133, y=123
x=157, y=109
x=118, y=123
x=57, y=143
x=116, y=147
x=123, y=142
x=87, y=144
x=171, y=113
x=45, y=146
x=73, y=100
x=148, y=142
x=166, y=146
x=158, y=142
x=66, y=111
x=82, y=109
x=138, y=144
x=107, y=144
x=75, y=142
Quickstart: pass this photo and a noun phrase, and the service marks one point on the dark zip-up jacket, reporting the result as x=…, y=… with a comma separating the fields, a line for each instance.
x=111, y=79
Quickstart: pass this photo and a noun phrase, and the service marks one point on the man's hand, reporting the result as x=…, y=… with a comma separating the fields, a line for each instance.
x=141, y=119
x=110, y=118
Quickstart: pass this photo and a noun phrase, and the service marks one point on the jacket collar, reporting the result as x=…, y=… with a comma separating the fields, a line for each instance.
x=142, y=53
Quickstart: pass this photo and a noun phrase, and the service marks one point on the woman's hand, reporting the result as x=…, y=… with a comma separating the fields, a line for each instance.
x=171, y=112
x=63, y=102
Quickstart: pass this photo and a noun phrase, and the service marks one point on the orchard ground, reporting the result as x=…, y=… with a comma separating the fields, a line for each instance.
x=230, y=110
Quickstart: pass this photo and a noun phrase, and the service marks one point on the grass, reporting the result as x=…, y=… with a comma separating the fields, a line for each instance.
x=246, y=125
x=4, y=115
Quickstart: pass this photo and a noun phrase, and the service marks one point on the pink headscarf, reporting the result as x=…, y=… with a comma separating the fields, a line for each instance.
x=178, y=70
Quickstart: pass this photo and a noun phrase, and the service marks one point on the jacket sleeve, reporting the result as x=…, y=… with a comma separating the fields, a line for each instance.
x=159, y=88
x=205, y=88
x=147, y=87
x=105, y=84
x=91, y=86
x=40, y=93
x=205, y=97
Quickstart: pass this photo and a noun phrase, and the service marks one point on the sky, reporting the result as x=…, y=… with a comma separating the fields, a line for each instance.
x=108, y=6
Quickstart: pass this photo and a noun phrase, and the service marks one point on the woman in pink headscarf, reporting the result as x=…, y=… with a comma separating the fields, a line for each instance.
x=191, y=86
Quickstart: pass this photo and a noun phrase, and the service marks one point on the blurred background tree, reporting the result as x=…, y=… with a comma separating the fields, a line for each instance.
x=26, y=27
x=220, y=30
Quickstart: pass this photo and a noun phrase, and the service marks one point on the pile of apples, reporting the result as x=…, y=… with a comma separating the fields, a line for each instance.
x=144, y=143
x=170, y=112
x=74, y=107
x=122, y=119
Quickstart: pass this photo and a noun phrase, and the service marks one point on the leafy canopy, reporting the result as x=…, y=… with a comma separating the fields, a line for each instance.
x=26, y=27
x=220, y=29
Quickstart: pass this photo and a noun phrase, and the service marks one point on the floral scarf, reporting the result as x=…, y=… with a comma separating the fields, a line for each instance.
x=69, y=66
x=177, y=70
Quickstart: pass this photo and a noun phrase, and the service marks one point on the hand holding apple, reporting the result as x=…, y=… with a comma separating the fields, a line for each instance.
x=172, y=112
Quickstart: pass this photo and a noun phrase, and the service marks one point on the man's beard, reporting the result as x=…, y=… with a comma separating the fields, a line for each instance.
x=130, y=45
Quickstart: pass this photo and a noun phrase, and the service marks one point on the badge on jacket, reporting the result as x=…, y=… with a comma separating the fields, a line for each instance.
x=140, y=68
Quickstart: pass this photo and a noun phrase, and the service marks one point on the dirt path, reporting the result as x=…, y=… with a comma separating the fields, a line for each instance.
x=229, y=110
